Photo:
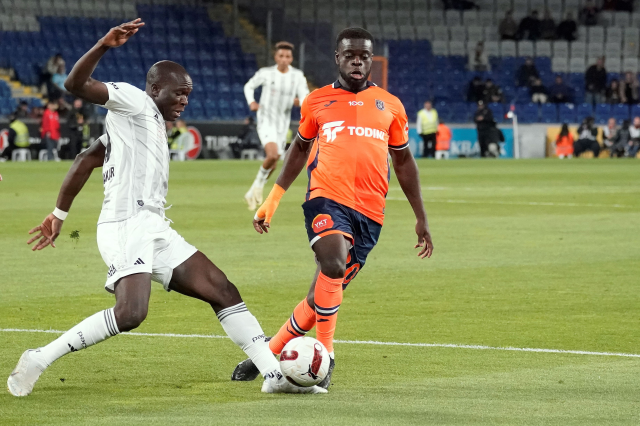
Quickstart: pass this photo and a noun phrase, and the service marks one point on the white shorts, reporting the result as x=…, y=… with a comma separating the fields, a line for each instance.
x=270, y=132
x=143, y=243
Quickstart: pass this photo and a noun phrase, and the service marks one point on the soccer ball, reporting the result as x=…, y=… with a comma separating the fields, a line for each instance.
x=304, y=361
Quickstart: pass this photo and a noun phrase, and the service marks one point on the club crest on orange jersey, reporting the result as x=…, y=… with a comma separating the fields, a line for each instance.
x=380, y=105
x=322, y=222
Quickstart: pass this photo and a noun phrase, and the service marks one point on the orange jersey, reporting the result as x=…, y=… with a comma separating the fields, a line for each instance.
x=353, y=133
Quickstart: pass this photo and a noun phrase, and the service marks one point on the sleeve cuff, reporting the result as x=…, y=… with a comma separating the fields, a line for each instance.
x=399, y=147
x=306, y=139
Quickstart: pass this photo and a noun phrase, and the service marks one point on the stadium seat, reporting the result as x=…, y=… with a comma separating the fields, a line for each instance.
x=498, y=111
x=620, y=112
x=527, y=113
x=584, y=110
x=549, y=113
x=567, y=113
x=602, y=113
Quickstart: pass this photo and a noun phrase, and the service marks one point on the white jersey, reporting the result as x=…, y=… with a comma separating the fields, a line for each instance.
x=278, y=92
x=136, y=164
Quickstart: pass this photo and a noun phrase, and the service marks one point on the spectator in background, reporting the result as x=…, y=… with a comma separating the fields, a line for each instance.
x=621, y=141
x=36, y=112
x=17, y=137
x=492, y=92
x=609, y=134
x=624, y=5
x=485, y=125
x=587, y=134
x=567, y=28
x=560, y=93
x=564, y=143
x=59, y=78
x=478, y=60
x=508, y=28
x=51, y=128
x=595, y=83
x=172, y=133
x=52, y=66
x=247, y=139
x=79, y=128
x=538, y=92
x=629, y=89
x=589, y=14
x=475, y=90
x=23, y=110
x=634, y=142
x=529, y=28
x=427, y=127
x=613, y=92
x=460, y=4
x=527, y=73
x=547, y=26
x=443, y=141
x=609, y=4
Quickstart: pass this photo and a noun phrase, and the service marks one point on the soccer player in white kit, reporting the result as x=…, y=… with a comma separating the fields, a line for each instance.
x=135, y=239
x=283, y=86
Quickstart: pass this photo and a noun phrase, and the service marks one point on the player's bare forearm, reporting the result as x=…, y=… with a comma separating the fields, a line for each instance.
x=79, y=81
x=79, y=173
x=294, y=162
x=409, y=179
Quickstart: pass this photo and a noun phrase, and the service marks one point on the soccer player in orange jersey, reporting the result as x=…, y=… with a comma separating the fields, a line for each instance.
x=346, y=132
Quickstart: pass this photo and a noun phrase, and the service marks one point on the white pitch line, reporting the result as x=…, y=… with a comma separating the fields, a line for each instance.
x=518, y=203
x=364, y=342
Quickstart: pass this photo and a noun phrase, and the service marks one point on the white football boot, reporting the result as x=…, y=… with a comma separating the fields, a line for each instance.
x=250, y=199
x=26, y=373
x=258, y=194
x=281, y=385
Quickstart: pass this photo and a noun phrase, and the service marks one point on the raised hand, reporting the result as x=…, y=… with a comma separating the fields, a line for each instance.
x=117, y=36
x=47, y=231
x=424, y=240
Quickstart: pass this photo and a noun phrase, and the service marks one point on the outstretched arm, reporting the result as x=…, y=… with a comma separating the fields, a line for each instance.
x=294, y=161
x=77, y=176
x=409, y=178
x=79, y=81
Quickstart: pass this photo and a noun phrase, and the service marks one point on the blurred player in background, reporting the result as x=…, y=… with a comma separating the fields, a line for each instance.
x=354, y=126
x=283, y=86
x=135, y=239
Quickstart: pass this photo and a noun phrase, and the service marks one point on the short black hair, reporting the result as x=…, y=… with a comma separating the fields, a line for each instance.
x=353, y=33
x=284, y=45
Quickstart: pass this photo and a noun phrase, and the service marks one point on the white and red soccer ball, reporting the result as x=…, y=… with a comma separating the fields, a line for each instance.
x=304, y=361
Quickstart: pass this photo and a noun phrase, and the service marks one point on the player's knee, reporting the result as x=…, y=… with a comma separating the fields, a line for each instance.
x=333, y=268
x=272, y=157
x=129, y=318
x=223, y=292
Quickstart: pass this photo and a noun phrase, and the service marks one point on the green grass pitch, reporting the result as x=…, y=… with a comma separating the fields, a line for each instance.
x=529, y=254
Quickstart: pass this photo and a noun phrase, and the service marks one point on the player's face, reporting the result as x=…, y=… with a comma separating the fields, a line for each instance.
x=173, y=96
x=283, y=58
x=354, y=58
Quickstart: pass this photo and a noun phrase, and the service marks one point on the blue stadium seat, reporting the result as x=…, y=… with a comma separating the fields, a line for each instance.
x=549, y=113
x=635, y=111
x=498, y=111
x=527, y=113
x=620, y=112
x=603, y=113
x=567, y=113
x=584, y=110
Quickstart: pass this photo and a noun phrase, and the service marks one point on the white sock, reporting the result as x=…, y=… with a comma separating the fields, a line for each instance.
x=261, y=177
x=90, y=331
x=245, y=331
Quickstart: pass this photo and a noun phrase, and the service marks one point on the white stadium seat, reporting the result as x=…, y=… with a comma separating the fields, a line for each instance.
x=420, y=17
x=525, y=48
x=582, y=33
x=403, y=17
x=622, y=19
x=561, y=48
x=470, y=17
x=475, y=33
x=485, y=18
x=595, y=49
x=595, y=34
x=613, y=64
x=631, y=35
x=453, y=17
x=560, y=64
x=630, y=65
x=440, y=47
x=492, y=48
x=605, y=18
x=436, y=17
x=407, y=32
x=578, y=49
x=458, y=33
x=630, y=49
x=507, y=48
x=370, y=17
x=440, y=33
x=543, y=48
x=614, y=34
x=577, y=65
x=613, y=49
x=457, y=48
x=635, y=20
x=423, y=32
x=491, y=34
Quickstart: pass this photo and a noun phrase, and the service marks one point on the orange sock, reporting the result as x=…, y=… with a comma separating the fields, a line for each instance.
x=302, y=320
x=328, y=297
